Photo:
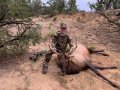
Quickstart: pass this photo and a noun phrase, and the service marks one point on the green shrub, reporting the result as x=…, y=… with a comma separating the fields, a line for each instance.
x=32, y=36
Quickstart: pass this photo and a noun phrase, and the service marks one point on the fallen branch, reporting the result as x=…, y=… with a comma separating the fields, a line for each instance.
x=4, y=23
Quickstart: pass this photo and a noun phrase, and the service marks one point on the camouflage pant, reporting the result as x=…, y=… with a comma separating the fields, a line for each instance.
x=48, y=56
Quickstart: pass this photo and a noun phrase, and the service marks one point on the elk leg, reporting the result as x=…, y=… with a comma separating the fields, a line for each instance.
x=92, y=50
x=100, y=75
x=103, y=68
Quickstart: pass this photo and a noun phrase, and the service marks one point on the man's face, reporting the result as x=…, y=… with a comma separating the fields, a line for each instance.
x=63, y=29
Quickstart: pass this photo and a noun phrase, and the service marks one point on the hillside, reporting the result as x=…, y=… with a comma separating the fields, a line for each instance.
x=91, y=29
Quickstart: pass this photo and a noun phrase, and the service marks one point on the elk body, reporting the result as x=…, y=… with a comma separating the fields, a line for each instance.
x=79, y=60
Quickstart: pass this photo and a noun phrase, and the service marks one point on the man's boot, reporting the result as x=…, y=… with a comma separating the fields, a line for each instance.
x=45, y=68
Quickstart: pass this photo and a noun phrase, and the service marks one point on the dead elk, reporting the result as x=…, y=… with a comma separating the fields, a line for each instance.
x=78, y=60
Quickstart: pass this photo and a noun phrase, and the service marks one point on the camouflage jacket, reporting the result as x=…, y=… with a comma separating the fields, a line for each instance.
x=61, y=42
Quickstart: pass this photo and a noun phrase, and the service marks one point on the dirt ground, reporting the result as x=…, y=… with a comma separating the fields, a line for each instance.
x=92, y=30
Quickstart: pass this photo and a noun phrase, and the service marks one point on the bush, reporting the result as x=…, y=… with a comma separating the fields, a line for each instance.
x=21, y=44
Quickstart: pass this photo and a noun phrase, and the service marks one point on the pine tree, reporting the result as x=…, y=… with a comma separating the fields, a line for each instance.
x=116, y=4
x=72, y=6
x=37, y=7
x=3, y=9
x=15, y=13
x=105, y=5
x=56, y=7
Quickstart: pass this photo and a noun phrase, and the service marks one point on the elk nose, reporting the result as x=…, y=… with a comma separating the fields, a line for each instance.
x=63, y=73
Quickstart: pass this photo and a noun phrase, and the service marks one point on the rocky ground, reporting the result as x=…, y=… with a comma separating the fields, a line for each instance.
x=92, y=30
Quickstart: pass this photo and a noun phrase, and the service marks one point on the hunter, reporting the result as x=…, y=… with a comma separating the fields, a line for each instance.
x=60, y=42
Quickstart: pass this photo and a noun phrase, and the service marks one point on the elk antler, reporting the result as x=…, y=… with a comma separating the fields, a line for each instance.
x=74, y=47
x=52, y=49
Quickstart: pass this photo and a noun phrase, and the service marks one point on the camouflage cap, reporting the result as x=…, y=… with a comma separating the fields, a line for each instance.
x=63, y=26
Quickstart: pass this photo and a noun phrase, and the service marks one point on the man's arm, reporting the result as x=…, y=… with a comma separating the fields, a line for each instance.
x=53, y=42
x=70, y=42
